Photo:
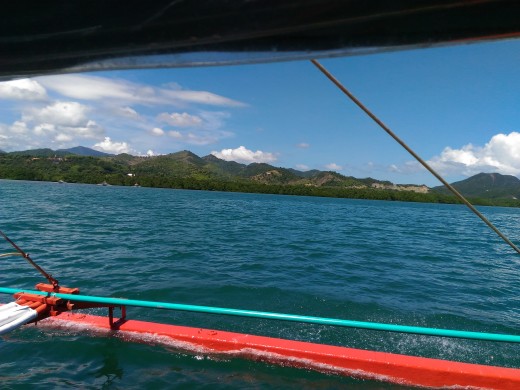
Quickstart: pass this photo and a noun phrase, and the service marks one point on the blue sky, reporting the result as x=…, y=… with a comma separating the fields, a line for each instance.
x=457, y=106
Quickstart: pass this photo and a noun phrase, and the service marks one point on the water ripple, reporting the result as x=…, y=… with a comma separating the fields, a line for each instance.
x=414, y=264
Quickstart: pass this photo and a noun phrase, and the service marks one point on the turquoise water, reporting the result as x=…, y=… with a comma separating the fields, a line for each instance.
x=403, y=263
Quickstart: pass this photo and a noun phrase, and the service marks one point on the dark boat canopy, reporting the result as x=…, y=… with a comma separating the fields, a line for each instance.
x=39, y=37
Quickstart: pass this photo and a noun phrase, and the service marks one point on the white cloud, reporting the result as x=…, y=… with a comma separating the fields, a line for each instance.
x=109, y=146
x=90, y=130
x=128, y=112
x=180, y=120
x=197, y=138
x=149, y=153
x=19, y=127
x=241, y=154
x=204, y=128
x=23, y=89
x=44, y=129
x=214, y=120
x=302, y=167
x=57, y=124
x=207, y=131
x=59, y=113
x=200, y=97
x=333, y=167
x=175, y=134
x=501, y=154
x=23, y=136
x=62, y=137
x=6, y=138
x=95, y=88
x=303, y=145
x=86, y=87
x=157, y=131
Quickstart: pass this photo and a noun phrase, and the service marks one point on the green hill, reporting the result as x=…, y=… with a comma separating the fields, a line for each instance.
x=222, y=167
x=186, y=170
x=82, y=164
x=83, y=151
x=40, y=153
x=487, y=185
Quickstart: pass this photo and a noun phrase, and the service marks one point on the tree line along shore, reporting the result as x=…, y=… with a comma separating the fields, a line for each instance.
x=185, y=170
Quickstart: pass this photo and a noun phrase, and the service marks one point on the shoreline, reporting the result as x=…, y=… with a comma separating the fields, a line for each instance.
x=287, y=189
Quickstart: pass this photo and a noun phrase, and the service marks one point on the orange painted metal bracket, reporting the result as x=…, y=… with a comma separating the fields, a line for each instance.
x=52, y=289
x=116, y=325
x=53, y=306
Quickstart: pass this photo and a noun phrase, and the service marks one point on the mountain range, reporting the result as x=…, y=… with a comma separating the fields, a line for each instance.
x=187, y=165
x=78, y=150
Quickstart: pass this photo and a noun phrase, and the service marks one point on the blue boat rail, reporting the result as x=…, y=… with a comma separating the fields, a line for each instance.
x=120, y=302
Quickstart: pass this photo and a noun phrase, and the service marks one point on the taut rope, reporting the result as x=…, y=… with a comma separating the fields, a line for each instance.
x=415, y=155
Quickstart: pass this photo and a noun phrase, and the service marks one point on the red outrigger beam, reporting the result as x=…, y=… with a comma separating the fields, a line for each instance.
x=382, y=366
x=387, y=367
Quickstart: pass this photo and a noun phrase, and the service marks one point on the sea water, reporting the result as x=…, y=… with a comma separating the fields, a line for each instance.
x=393, y=262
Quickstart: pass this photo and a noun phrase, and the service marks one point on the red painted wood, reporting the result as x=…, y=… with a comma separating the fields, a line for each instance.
x=402, y=369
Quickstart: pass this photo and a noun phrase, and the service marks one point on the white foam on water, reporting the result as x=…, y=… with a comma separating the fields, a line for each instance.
x=200, y=352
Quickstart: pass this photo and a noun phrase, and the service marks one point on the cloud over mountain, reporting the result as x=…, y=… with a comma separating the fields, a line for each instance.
x=501, y=154
x=60, y=111
x=109, y=146
x=244, y=155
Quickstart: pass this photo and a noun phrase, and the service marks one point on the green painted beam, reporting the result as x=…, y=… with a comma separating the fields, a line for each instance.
x=278, y=316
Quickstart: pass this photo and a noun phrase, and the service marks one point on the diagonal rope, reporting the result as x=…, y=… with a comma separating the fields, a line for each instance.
x=415, y=155
x=26, y=256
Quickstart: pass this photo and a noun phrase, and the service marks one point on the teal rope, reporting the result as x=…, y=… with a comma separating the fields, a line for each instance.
x=279, y=316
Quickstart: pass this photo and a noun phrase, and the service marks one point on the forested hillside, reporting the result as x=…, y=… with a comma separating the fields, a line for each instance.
x=185, y=170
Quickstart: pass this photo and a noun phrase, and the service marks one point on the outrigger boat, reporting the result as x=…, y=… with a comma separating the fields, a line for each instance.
x=168, y=34
x=55, y=305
